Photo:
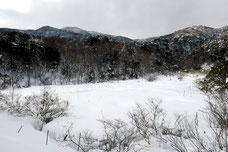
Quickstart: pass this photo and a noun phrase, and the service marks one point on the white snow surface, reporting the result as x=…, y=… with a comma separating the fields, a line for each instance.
x=91, y=102
x=27, y=140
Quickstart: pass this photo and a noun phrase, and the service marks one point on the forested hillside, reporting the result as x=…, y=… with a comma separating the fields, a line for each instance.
x=71, y=56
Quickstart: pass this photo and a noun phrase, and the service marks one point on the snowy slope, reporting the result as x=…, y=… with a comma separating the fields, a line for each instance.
x=112, y=100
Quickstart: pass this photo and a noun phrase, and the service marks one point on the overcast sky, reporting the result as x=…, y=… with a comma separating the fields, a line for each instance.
x=131, y=18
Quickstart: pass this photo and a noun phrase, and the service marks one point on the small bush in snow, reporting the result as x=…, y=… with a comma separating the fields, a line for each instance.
x=45, y=107
x=4, y=100
x=81, y=142
x=118, y=136
x=149, y=121
x=206, y=67
x=180, y=76
x=151, y=77
x=11, y=103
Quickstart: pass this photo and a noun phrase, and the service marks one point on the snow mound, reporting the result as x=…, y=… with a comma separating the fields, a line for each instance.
x=27, y=140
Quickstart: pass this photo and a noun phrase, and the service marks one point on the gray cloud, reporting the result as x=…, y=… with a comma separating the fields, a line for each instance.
x=132, y=18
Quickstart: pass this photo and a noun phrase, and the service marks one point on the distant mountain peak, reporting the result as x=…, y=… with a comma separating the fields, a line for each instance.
x=201, y=27
x=72, y=28
x=84, y=32
x=76, y=30
x=47, y=28
x=196, y=30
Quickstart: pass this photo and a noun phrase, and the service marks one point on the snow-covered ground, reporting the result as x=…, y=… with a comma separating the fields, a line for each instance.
x=27, y=140
x=91, y=102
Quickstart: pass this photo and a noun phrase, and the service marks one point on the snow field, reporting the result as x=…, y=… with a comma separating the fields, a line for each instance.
x=91, y=102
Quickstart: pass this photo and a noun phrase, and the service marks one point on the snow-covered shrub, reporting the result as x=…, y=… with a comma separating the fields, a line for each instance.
x=81, y=142
x=149, y=121
x=206, y=67
x=151, y=77
x=118, y=136
x=217, y=118
x=4, y=100
x=186, y=132
x=179, y=134
x=45, y=107
x=12, y=103
x=180, y=76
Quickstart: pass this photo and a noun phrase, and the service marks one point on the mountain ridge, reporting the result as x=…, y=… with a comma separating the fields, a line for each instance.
x=72, y=55
x=69, y=31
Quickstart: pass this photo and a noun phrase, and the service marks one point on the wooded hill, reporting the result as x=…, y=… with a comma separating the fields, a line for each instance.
x=64, y=56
